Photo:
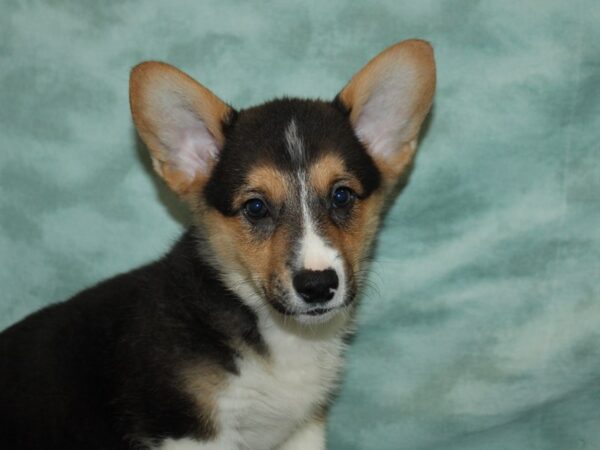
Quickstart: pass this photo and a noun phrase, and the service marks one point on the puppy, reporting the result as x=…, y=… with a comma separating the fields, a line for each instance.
x=235, y=338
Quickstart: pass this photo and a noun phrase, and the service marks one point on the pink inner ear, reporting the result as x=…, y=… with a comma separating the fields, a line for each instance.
x=190, y=146
x=195, y=149
x=385, y=121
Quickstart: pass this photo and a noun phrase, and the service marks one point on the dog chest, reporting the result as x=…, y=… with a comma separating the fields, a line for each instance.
x=271, y=397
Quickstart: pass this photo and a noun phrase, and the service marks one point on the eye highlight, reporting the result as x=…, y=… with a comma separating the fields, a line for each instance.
x=255, y=209
x=342, y=197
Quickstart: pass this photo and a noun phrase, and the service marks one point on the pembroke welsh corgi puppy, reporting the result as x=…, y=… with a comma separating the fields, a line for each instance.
x=235, y=338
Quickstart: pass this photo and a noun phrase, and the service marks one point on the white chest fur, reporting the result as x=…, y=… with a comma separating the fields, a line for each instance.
x=271, y=397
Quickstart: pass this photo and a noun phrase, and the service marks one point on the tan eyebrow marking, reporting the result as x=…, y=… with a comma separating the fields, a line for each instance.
x=266, y=180
x=330, y=169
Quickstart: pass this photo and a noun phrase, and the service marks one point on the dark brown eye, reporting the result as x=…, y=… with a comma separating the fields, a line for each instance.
x=342, y=197
x=255, y=209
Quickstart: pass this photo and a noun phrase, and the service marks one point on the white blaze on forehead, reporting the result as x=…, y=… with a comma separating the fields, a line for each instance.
x=315, y=253
x=293, y=143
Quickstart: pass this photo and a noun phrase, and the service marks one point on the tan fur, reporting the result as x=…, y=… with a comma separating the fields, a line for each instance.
x=328, y=170
x=203, y=382
x=355, y=241
x=236, y=248
x=268, y=181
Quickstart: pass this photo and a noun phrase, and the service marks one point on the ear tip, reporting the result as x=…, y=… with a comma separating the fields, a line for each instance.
x=416, y=49
x=147, y=75
x=421, y=44
x=424, y=49
x=147, y=68
x=419, y=54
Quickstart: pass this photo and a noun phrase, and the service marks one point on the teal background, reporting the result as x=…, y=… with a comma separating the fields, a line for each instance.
x=482, y=326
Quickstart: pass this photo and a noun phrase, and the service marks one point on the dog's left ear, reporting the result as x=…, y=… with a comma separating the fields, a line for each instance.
x=388, y=100
x=180, y=121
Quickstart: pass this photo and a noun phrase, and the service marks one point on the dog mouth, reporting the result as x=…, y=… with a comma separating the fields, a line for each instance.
x=317, y=311
x=311, y=312
x=283, y=303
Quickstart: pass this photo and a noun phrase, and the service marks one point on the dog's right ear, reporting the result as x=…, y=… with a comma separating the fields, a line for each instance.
x=180, y=121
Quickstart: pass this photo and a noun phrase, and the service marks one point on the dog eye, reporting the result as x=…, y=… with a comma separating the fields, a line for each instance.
x=255, y=208
x=342, y=197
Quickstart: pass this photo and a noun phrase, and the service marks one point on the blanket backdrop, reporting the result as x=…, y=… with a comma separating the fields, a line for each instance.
x=481, y=329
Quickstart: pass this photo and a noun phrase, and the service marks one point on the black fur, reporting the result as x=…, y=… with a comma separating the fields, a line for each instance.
x=99, y=370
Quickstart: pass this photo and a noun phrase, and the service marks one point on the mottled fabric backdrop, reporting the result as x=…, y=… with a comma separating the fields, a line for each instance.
x=481, y=329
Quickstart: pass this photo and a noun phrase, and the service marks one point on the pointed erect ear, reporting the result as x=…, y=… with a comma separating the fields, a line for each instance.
x=179, y=120
x=388, y=101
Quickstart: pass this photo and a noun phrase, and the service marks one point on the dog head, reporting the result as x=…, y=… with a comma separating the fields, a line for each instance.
x=288, y=194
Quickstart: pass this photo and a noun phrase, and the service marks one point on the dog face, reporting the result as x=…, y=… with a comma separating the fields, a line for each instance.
x=291, y=206
x=288, y=194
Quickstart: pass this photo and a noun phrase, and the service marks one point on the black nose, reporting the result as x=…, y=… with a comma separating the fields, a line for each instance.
x=316, y=286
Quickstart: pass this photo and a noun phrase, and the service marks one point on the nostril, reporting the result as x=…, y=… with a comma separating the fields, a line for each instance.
x=316, y=286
